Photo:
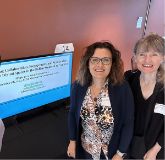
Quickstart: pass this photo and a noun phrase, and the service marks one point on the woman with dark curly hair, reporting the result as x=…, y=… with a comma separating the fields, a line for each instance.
x=101, y=111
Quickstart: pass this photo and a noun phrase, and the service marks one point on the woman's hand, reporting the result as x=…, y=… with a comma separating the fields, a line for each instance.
x=152, y=153
x=116, y=156
x=72, y=149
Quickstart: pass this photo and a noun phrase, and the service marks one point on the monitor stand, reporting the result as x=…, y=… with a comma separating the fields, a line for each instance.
x=50, y=109
x=14, y=121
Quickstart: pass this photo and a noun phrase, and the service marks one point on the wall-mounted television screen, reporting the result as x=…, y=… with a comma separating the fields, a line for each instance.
x=31, y=82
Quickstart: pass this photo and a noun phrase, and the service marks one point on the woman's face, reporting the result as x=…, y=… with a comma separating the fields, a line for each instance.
x=149, y=62
x=100, y=70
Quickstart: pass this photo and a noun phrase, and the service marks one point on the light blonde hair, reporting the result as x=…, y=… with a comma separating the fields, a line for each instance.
x=154, y=42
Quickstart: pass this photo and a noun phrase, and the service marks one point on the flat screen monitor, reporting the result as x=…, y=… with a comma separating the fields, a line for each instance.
x=28, y=83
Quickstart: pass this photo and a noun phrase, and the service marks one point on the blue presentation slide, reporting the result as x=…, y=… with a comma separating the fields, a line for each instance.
x=29, y=83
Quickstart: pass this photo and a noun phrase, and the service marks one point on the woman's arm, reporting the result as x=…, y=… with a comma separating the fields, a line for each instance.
x=116, y=156
x=152, y=153
x=128, y=123
x=160, y=138
x=72, y=123
x=71, y=116
x=72, y=149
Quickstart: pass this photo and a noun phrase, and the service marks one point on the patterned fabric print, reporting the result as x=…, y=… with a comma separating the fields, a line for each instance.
x=97, y=123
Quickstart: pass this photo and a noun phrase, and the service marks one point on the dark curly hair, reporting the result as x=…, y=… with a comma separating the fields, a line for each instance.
x=115, y=76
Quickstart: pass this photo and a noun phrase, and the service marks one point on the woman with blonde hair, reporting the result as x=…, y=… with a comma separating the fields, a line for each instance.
x=147, y=85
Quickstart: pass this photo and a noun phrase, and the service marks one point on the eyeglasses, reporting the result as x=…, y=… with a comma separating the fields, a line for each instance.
x=105, y=60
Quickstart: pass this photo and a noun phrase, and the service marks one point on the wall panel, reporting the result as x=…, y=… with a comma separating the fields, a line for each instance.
x=34, y=27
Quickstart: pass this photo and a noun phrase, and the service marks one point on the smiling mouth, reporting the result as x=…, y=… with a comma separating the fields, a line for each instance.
x=99, y=70
x=147, y=65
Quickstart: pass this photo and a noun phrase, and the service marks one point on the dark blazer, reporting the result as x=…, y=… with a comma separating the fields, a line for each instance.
x=155, y=129
x=122, y=104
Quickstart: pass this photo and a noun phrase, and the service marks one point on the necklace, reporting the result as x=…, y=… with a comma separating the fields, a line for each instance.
x=95, y=98
x=134, y=71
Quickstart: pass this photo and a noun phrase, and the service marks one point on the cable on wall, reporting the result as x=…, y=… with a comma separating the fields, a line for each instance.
x=145, y=25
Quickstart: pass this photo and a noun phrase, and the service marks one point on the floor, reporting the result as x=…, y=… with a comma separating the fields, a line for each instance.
x=44, y=134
